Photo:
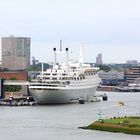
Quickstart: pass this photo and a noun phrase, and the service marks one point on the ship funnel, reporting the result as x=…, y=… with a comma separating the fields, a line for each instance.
x=67, y=59
x=54, y=63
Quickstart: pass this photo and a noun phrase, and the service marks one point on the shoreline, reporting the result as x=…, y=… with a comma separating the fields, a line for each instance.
x=128, y=125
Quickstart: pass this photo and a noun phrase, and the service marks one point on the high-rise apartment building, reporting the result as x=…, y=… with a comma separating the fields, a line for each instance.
x=15, y=53
x=99, y=59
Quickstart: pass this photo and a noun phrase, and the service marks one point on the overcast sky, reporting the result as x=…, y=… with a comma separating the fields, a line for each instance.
x=110, y=27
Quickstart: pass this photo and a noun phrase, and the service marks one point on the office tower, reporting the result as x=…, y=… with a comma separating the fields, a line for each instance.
x=15, y=53
x=99, y=59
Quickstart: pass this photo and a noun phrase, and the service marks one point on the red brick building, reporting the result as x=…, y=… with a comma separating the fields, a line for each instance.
x=21, y=75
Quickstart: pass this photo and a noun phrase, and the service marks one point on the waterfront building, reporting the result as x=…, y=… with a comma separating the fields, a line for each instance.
x=132, y=62
x=132, y=74
x=17, y=75
x=99, y=60
x=15, y=53
x=111, y=75
x=111, y=78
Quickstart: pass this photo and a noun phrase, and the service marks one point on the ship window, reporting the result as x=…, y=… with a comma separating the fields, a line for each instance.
x=67, y=82
x=47, y=78
x=54, y=78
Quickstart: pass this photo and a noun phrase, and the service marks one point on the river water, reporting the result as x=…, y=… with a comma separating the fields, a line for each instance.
x=61, y=122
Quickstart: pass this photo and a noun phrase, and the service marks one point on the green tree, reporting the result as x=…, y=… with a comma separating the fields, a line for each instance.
x=104, y=68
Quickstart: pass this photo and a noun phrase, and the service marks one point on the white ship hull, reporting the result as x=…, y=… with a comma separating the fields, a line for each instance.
x=50, y=95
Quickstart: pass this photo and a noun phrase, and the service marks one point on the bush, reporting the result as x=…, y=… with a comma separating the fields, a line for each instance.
x=124, y=124
x=135, y=117
x=101, y=120
x=120, y=122
x=132, y=125
x=126, y=121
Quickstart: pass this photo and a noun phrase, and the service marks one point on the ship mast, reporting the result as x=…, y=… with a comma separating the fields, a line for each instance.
x=42, y=68
x=81, y=55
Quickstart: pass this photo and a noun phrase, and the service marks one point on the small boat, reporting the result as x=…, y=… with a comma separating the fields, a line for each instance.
x=81, y=100
x=121, y=103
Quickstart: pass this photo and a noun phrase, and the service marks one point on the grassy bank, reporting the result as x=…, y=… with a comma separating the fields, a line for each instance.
x=129, y=125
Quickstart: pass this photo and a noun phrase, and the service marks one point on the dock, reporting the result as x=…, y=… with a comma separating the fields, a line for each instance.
x=18, y=101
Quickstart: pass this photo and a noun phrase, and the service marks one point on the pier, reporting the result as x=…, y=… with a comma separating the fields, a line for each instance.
x=107, y=88
x=18, y=101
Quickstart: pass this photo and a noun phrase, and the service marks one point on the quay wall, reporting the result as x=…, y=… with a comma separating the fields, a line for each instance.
x=107, y=88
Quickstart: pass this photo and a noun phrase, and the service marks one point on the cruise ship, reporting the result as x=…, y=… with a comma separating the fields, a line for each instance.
x=65, y=83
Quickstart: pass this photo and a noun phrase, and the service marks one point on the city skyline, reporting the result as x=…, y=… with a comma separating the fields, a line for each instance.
x=107, y=27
